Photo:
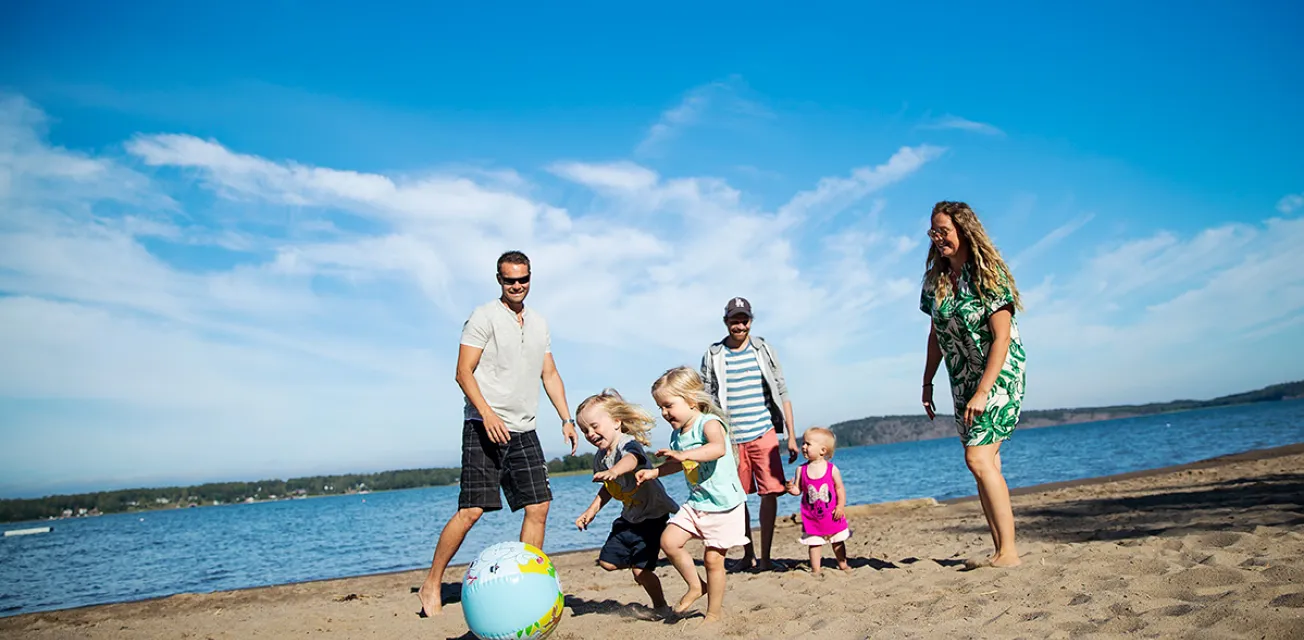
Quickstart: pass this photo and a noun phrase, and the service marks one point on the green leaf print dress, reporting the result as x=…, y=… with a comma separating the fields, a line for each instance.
x=960, y=322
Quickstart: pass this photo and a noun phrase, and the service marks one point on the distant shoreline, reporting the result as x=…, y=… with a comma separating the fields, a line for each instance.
x=918, y=428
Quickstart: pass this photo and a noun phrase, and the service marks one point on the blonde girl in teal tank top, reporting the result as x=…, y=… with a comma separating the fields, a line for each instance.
x=700, y=447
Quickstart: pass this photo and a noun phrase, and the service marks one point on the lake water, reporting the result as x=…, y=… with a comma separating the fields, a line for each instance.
x=123, y=557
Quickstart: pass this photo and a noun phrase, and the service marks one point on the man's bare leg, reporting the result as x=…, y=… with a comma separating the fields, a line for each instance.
x=450, y=540
x=769, y=506
x=749, y=551
x=534, y=524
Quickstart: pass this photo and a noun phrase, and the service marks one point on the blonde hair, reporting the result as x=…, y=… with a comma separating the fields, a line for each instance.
x=686, y=383
x=634, y=421
x=993, y=275
x=830, y=439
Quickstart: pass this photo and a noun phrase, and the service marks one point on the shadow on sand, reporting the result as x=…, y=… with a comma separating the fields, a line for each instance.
x=1230, y=505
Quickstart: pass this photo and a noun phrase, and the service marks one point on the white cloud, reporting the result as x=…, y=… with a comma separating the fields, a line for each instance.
x=724, y=97
x=832, y=195
x=963, y=124
x=1288, y=204
x=1051, y=239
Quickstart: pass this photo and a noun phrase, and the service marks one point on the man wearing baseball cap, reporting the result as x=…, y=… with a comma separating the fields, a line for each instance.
x=742, y=372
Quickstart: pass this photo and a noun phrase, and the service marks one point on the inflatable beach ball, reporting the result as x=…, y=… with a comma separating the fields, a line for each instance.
x=511, y=591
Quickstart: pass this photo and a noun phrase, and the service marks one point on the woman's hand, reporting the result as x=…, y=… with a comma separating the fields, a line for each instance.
x=928, y=401
x=977, y=405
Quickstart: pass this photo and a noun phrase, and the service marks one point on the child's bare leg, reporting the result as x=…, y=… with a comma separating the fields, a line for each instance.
x=647, y=578
x=840, y=551
x=816, y=553
x=714, y=561
x=672, y=543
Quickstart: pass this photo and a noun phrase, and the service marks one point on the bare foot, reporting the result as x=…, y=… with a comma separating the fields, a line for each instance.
x=764, y=565
x=746, y=563
x=713, y=617
x=430, y=605
x=663, y=611
x=976, y=563
x=689, y=598
x=844, y=566
x=1005, y=561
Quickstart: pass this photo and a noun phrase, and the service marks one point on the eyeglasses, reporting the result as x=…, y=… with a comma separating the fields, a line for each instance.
x=525, y=279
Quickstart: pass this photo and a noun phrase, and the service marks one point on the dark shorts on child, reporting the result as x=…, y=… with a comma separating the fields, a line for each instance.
x=516, y=468
x=634, y=544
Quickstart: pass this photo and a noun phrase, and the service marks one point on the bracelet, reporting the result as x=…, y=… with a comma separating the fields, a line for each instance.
x=570, y=421
x=928, y=384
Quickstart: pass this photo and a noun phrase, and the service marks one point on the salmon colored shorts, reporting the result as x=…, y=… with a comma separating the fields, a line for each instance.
x=760, y=466
x=717, y=529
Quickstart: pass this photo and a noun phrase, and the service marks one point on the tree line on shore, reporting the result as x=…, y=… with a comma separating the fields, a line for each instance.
x=217, y=493
x=888, y=429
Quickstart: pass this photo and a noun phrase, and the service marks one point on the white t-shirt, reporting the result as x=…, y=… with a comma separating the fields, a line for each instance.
x=511, y=367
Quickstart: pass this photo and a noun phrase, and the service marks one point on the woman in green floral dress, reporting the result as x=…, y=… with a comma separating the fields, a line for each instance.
x=971, y=298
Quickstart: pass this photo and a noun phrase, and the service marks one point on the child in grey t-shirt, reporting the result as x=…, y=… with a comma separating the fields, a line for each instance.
x=619, y=430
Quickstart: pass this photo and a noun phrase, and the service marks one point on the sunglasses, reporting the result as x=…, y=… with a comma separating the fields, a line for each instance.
x=938, y=235
x=525, y=279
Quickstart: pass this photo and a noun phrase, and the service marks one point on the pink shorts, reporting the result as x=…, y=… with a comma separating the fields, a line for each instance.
x=760, y=465
x=717, y=529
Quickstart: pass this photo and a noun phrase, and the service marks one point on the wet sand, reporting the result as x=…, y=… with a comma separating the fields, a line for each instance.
x=1213, y=549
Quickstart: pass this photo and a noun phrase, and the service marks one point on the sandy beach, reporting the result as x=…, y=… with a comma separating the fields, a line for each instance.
x=1214, y=549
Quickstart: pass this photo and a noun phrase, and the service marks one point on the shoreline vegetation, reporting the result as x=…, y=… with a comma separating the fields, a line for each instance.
x=864, y=431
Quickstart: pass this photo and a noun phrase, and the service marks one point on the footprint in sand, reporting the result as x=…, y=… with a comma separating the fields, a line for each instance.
x=1176, y=610
x=1293, y=600
x=1221, y=539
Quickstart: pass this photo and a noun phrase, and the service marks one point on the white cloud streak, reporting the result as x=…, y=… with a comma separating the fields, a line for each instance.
x=963, y=124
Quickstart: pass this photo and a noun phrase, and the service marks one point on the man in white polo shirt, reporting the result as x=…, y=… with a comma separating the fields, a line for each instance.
x=742, y=372
x=505, y=350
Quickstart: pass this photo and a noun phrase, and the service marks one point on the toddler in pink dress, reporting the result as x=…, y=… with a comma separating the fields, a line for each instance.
x=823, y=499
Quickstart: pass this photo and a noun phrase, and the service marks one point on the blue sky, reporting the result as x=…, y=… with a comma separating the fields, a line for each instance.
x=239, y=242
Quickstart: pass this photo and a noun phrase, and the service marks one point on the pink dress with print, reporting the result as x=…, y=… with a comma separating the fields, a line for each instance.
x=819, y=497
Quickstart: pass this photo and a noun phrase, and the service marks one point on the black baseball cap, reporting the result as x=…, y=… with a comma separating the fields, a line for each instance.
x=736, y=306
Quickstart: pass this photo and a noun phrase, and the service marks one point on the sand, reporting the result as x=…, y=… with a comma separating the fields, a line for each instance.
x=1214, y=549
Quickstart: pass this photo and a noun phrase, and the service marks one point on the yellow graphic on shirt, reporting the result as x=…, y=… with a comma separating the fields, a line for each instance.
x=690, y=472
x=618, y=492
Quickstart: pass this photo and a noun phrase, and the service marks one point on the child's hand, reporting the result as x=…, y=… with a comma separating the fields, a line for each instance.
x=582, y=522
x=839, y=513
x=604, y=476
x=644, y=475
x=671, y=454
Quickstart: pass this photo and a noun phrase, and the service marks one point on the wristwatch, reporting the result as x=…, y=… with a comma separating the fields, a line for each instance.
x=571, y=421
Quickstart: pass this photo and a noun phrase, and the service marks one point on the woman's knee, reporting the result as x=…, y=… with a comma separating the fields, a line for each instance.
x=981, y=462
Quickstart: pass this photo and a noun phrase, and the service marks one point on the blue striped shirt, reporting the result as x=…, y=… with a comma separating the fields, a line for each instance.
x=749, y=418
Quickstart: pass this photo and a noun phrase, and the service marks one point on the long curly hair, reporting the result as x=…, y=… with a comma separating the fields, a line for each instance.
x=993, y=274
x=633, y=420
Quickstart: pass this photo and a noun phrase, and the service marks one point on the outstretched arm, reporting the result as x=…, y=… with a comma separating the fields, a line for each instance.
x=589, y=514
x=626, y=464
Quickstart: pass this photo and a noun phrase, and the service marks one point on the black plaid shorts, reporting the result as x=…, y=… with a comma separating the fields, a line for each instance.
x=518, y=468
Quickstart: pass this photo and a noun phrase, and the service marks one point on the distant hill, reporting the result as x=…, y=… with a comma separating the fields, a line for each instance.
x=887, y=429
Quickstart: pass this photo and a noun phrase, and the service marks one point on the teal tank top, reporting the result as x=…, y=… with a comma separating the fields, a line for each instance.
x=712, y=486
